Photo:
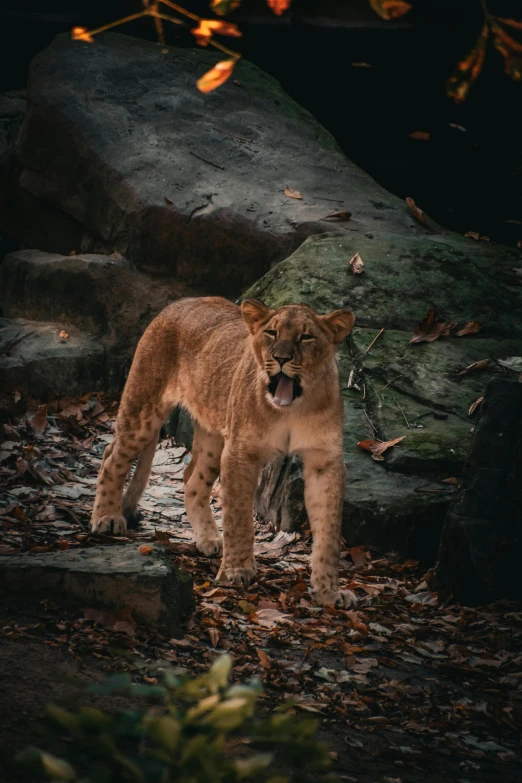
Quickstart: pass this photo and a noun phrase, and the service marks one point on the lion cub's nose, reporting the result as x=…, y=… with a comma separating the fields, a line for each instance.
x=283, y=352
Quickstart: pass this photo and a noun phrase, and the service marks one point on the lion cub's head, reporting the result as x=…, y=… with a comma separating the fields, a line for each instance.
x=294, y=346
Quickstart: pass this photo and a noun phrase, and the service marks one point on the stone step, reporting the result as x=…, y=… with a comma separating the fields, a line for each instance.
x=99, y=294
x=35, y=360
x=156, y=592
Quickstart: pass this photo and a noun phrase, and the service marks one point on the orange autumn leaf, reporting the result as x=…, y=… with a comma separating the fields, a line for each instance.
x=214, y=636
x=511, y=22
x=468, y=69
x=357, y=264
x=292, y=193
x=264, y=659
x=420, y=135
x=431, y=328
x=472, y=327
x=341, y=214
x=216, y=76
x=417, y=213
x=81, y=34
x=144, y=549
x=278, y=6
x=224, y=7
x=390, y=9
x=207, y=27
x=480, y=365
x=511, y=51
x=474, y=405
x=377, y=447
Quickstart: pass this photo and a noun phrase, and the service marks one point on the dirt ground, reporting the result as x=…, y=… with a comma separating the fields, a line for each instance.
x=406, y=689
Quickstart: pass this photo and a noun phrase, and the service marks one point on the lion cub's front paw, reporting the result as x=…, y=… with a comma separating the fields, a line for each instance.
x=114, y=524
x=343, y=599
x=236, y=576
x=209, y=546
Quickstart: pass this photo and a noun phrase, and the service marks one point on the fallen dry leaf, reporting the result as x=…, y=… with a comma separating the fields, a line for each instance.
x=358, y=555
x=417, y=213
x=119, y=620
x=63, y=335
x=420, y=135
x=477, y=236
x=292, y=193
x=431, y=328
x=246, y=606
x=472, y=327
x=214, y=636
x=207, y=27
x=512, y=363
x=377, y=447
x=265, y=660
x=390, y=9
x=216, y=76
x=425, y=598
x=269, y=618
x=278, y=6
x=168, y=200
x=340, y=215
x=357, y=264
x=21, y=465
x=480, y=365
x=474, y=405
x=38, y=421
x=144, y=549
x=451, y=480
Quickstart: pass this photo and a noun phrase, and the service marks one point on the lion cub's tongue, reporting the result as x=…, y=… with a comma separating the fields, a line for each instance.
x=284, y=393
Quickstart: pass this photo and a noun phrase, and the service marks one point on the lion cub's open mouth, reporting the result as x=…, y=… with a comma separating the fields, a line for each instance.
x=283, y=389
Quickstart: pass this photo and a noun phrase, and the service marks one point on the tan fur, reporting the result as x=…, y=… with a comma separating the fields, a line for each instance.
x=216, y=359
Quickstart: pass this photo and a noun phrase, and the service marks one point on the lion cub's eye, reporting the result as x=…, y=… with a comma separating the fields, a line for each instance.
x=307, y=337
x=271, y=332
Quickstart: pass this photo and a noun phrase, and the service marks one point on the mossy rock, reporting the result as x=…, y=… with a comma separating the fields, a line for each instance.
x=411, y=390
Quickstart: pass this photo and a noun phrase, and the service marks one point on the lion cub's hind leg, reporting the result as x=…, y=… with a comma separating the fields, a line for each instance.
x=199, y=478
x=136, y=436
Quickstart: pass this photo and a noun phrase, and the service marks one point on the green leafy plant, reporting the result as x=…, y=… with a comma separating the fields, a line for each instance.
x=191, y=730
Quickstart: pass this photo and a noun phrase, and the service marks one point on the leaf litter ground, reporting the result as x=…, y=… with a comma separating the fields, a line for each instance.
x=406, y=689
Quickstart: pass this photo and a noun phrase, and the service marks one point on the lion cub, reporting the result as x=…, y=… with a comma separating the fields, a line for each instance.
x=257, y=383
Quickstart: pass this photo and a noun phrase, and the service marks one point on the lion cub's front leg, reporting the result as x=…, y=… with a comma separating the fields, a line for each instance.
x=239, y=476
x=325, y=477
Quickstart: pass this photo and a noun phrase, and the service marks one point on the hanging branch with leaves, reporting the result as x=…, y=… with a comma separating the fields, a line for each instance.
x=469, y=68
x=203, y=30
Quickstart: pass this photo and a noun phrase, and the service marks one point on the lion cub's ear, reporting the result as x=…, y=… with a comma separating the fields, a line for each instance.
x=254, y=314
x=340, y=323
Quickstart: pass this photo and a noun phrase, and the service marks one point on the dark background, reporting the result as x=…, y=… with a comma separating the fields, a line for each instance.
x=466, y=178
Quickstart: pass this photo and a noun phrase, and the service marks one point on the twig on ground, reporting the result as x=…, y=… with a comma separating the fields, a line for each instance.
x=390, y=382
x=403, y=414
x=374, y=428
x=216, y=165
x=241, y=138
x=374, y=340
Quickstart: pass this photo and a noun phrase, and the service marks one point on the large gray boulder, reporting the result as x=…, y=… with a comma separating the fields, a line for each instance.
x=118, y=138
x=412, y=390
